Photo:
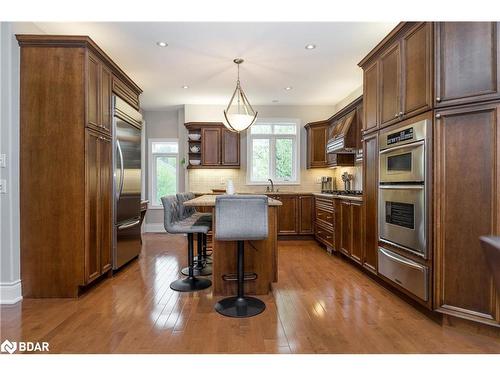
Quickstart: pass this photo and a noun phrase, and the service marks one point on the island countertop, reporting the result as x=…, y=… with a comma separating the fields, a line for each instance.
x=208, y=200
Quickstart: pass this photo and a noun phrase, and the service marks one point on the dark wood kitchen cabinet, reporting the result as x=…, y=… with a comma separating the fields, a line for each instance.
x=295, y=215
x=211, y=146
x=398, y=76
x=356, y=231
x=466, y=206
x=65, y=163
x=345, y=227
x=467, y=57
x=306, y=211
x=317, y=137
x=98, y=205
x=370, y=193
x=218, y=146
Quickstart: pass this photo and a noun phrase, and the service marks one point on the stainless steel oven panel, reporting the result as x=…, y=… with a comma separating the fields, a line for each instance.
x=404, y=163
x=408, y=274
x=412, y=237
x=419, y=133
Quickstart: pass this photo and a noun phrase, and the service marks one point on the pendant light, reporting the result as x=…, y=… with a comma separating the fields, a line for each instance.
x=239, y=113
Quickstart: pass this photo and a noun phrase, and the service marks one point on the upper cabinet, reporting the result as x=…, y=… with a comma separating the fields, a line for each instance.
x=317, y=136
x=213, y=146
x=467, y=55
x=99, y=94
x=397, y=76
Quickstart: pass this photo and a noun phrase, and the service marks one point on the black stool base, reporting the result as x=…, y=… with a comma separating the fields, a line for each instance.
x=190, y=284
x=205, y=271
x=243, y=307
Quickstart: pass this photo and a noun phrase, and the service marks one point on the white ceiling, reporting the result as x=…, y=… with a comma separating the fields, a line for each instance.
x=200, y=55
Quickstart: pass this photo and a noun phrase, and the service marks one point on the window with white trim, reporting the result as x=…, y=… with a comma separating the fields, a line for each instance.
x=163, y=169
x=273, y=152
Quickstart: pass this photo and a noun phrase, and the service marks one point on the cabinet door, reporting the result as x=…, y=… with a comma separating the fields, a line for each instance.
x=92, y=233
x=356, y=232
x=416, y=70
x=390, y=88
x=93, y=90
x=370, y=199
x=316, y=146
x=287, y=214
x=305, y=214
x=105, y=99
x=371, y=97
x=467, y=68
x=345, y=217
x=230, y=148
x=467, y=149
x=210, y=146
x=105, y=200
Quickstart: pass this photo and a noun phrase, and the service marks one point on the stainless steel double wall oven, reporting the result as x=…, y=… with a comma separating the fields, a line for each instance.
x=402, y=206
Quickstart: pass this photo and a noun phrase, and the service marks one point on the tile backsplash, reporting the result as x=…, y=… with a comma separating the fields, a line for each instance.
x=204, y=180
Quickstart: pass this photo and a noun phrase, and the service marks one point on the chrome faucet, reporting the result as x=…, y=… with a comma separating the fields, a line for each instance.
x=272, y=185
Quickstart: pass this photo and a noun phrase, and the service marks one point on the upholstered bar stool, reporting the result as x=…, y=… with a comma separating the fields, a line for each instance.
x=202, y=263
x=240, y=218
x=174, y=224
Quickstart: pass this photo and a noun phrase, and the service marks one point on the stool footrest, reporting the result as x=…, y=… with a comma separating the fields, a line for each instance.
x=248, y=276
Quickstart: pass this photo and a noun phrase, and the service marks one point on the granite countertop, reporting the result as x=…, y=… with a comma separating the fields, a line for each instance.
x=208, y=200
x=357, y=198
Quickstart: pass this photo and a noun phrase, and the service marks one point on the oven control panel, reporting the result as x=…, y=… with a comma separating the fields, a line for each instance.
x=403, y=135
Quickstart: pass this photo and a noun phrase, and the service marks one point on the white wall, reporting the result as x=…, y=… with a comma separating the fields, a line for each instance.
x=10, y=283
x=166, y=123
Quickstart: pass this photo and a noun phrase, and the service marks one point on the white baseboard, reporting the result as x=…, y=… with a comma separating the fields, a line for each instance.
x=10, y=293
x=154, y=228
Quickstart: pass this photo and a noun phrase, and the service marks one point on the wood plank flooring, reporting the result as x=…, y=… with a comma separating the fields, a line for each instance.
x=321, y=304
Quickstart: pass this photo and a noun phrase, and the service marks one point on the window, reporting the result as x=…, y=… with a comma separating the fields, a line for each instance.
x=273, y=152
x=163, y=169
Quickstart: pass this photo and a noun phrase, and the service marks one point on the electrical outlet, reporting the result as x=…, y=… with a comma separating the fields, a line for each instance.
x=3, y=160
x=3, y=186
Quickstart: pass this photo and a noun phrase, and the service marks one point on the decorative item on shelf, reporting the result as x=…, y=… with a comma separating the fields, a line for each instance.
x=346, y=177
x=240, y=115
x=194, y=162
x=230, y=187
x=194, y=148
x=194, y=137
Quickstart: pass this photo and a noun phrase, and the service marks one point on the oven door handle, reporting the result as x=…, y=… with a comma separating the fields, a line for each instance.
x=410, y=145
x=400, y=260
x=401, y=187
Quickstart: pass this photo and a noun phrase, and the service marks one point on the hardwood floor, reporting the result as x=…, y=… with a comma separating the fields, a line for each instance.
x=321, y=304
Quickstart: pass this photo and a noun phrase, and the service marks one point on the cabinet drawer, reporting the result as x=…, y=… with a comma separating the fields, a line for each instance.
x=406, y=273
x=326, y=217
x=324, y=235
x=325, y=204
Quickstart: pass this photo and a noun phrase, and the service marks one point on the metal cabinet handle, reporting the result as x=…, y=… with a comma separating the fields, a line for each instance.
x=129, y=225
x=401, y=113
x=396, y=115
x=438, y=115
x=438, y=99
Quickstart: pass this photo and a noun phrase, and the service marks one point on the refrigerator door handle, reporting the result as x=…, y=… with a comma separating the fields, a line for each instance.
x=129, y=225
x=119, y=192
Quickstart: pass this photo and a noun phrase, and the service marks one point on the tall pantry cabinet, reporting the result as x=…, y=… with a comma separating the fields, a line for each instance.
x=447, y=72
x=66, y=170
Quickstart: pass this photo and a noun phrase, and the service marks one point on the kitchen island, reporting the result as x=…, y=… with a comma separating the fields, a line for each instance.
x=261, y=256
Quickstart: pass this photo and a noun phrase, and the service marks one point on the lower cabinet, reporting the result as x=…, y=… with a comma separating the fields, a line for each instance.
x=98, y=206
x=351, y=229
x=467, y=149
x=295, y=215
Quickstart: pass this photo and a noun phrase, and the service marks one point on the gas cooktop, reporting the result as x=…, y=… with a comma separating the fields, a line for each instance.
x=343, y=192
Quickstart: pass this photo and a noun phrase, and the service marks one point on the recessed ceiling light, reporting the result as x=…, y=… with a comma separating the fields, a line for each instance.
x=275, y=101
x=310, y=46
x=288, y=88
x=185, y=87
x=161, y=44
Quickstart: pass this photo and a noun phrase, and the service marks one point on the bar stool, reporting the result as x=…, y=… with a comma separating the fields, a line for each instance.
x=202, y=262
x=241, y=218
x=174, y=224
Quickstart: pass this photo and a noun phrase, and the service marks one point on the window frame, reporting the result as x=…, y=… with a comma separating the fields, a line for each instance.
x=272, y=145
x=152, y=168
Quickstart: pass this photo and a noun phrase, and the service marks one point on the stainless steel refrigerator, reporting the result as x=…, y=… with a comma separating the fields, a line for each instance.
x=127, y=123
